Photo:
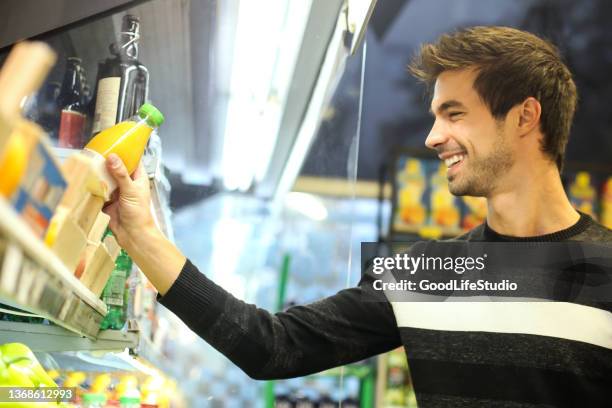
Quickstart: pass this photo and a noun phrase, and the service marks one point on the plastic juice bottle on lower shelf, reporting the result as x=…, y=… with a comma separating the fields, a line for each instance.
x=93, y=400
x=126, y=139
x=151, y=391
x=114, y=294
x=127, y=390
x=74, y=380
x=129, y=402
x=100, y=386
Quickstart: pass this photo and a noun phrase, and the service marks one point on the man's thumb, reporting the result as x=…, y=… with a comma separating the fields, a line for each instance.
x=117, y=169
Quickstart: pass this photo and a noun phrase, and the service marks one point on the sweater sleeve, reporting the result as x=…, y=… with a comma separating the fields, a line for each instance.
x=331, y=332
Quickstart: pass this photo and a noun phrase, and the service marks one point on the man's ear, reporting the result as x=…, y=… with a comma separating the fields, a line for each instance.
x=530, y=112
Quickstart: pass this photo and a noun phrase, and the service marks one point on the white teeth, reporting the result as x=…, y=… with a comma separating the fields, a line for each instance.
x=453, y=160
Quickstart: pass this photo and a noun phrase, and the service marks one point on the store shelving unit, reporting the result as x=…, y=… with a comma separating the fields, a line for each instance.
x=34, y=279
x=48, y=338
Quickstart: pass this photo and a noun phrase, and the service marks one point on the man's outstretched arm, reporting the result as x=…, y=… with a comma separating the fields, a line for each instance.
x=305, y=339
x=302, y=340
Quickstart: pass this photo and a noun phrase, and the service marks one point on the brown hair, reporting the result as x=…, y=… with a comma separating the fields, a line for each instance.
x=512, y=65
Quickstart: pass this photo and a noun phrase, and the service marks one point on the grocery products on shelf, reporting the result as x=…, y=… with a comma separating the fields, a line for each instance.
x=582, y=194
x=41, y=184
x=606, y=203
x=398, y=390
x=61, y=204
x=21, y=368
x=411, y=210
x=423, y=205
x=444, y=207
x=122, y=389
x=31, y=178
x=475, y=212
x=93, y=400
x=332, y=394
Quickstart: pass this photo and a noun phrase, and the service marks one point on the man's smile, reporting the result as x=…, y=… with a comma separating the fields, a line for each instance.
x=453, y=161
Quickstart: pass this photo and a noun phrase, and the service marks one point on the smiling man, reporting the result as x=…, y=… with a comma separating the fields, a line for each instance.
x=503, y=104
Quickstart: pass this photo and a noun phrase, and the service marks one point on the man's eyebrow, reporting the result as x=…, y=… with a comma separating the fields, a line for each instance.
x=446, y=106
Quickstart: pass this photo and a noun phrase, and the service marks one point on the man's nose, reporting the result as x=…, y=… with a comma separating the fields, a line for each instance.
x=436, y=137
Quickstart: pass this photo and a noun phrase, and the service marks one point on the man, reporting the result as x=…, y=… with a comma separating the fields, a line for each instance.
x=503, y=104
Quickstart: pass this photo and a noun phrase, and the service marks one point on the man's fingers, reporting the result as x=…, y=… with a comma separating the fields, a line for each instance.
x=117, y=169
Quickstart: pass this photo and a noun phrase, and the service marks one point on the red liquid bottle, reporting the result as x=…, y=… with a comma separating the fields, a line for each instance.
x=72, y=118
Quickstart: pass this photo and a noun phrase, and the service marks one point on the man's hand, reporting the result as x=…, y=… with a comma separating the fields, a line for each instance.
x=135, y=230
x=129, y=208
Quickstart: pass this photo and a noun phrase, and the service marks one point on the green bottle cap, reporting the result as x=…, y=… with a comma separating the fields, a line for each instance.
x=154, y=117
x=94, y=398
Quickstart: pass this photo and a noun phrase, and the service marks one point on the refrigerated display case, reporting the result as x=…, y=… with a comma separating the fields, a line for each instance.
x=219, y=116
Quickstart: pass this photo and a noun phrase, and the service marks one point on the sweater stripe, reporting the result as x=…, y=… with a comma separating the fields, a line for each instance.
x=509, y=383
x=555, y=319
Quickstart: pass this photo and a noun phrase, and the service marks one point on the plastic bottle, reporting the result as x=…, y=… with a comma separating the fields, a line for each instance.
x=100, y=385
x=93, y=400
x=127, y=140
x=127, y=392
x=129, y=402
x=115, y=294
x=151, y=391
x=283, y=397
x=75, y=380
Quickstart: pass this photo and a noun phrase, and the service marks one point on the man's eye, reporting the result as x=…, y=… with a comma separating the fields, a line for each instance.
x=454, y=114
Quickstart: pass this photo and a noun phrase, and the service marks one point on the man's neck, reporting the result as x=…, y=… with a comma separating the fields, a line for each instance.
x=537, y=205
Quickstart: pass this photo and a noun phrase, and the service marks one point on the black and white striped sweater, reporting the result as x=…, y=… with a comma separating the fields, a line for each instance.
x=541, y=354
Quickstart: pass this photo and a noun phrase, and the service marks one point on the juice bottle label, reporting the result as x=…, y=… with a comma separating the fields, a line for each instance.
x=106, y=103
x=71, y=129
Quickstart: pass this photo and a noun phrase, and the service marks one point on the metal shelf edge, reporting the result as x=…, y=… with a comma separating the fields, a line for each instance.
x=46, y=338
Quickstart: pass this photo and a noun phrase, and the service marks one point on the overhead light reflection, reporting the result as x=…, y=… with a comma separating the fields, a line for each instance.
x=306, y=204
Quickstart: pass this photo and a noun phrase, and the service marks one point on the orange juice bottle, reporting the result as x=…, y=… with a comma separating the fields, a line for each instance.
x=126, y=139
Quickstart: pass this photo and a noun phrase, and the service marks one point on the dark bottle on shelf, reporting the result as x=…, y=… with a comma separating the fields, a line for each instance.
x=283, y=398
x=326, y=402
x=122, y=84
x=72, y=116
x=87, y=102
x=46, y=111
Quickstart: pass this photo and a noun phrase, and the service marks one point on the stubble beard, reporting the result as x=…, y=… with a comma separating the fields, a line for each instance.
x=480, y=178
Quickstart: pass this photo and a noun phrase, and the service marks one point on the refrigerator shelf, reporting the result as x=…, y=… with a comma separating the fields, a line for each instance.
x=34, y=279
x=51, y=339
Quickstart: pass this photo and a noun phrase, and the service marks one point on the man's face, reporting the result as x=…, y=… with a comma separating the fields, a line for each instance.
x=467, y=137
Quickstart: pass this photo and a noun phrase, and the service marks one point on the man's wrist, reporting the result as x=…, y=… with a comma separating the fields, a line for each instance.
x=156, y=256
x=141, y=240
